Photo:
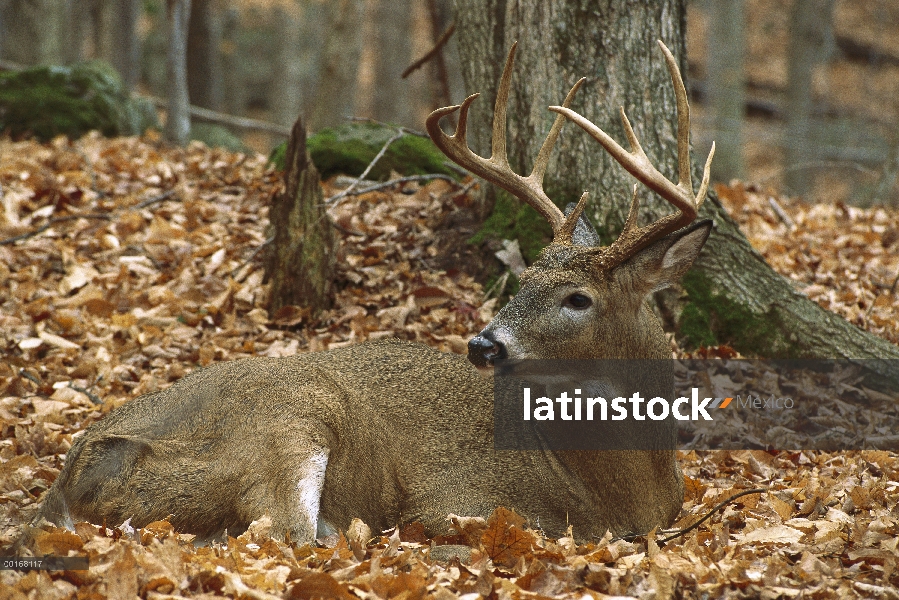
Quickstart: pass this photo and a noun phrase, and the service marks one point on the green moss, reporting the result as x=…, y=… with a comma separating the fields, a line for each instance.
x=55, y=100
x=711, y=317
x=512, y=219
x=348, y=149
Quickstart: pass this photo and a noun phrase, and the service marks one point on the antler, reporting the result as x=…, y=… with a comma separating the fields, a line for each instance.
x=636, y=162
x=496, y=169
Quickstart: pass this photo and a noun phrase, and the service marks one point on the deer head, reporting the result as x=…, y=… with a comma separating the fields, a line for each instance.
x=581, y=300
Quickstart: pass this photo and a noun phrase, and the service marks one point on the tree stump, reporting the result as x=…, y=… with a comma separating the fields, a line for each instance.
x=302, y=259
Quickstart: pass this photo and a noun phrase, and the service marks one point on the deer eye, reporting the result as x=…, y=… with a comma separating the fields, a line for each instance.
x=578, y=301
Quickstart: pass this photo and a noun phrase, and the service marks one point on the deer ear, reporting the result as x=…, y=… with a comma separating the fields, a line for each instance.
x=584, y=233
x=667, y=260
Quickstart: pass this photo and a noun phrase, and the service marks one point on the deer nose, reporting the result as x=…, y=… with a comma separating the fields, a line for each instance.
x=483, y=349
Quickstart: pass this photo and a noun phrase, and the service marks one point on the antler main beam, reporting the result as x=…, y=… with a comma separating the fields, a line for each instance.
x=496, y=169
x=637, y=163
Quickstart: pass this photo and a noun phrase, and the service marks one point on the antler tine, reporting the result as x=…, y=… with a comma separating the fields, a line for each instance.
x=637, y=163
x=496, y=169
x=550, y=141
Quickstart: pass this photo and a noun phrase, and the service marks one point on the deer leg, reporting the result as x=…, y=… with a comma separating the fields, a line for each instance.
x=301, y=515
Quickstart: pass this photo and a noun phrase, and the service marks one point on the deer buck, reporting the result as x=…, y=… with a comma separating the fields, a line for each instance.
x=393, y=432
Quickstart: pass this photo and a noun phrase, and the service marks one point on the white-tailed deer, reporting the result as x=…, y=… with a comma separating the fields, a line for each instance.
x=392, y=432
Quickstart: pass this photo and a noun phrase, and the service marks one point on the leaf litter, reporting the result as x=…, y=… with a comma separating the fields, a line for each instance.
x=162, y=274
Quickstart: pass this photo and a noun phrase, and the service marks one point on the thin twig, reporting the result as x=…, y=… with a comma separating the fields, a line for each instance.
x=414, y=132
x=93, y=397
x=444, y=38
x=717, y=507
x=50, y=224
x=153, y=200
x=398, y=180
x=781, y=213
x=29, y=376
x=253, y=255
x=456, y=168
x=371, y=165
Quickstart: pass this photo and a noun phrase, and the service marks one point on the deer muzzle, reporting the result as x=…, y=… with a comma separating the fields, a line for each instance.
x=483, y=349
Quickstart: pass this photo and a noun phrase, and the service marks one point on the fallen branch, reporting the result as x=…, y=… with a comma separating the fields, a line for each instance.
x=781, y=213
x=371, y=165
x=383, y=124
x=50, y=224
x=24, y=236
x=715, y=509
x=153, y=200
x=398, y=180
x=253, y=255
x=205, y=114
x=444, y=38
x=93, y=397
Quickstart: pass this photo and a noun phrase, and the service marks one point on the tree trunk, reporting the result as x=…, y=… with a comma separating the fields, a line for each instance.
x=177, y=122
x=235, y=101
x=613, y=43
x=339, y=63
x=287, y=93
x=126, y=43
x=381, y=93
x=302, y=258
x=75, y=32
x=809, y=24
x=440, y=87
x=204, y=66
x=725, y=85
x=32, y=31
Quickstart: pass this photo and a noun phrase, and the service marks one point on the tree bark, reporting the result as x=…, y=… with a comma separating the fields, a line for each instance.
x=302, y=259
x=77, y=25
x=204, y=65
x=613, y=44
x=126, y=43
x=381, y=93
x=114, y=35
x=809, y=24
x=31, y=31
x=725, y=85
x=287, y=93
x=177, y=122
x=339, y=63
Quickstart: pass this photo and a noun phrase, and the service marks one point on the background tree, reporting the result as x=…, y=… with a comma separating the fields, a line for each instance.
x=31, y=31
x=204, y=65
x=734, y=296
x=725, y=86
x=337, y=69
x=810, y=36
x=177, y=123
x=386, y=52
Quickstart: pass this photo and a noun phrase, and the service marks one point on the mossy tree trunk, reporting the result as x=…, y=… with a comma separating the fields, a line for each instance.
x=302, y=259
x=734, y=294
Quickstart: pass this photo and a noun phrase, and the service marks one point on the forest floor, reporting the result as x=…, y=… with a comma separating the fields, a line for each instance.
x=137, y=263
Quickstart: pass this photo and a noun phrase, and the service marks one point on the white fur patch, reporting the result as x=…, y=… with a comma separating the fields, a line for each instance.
x=311, y=484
